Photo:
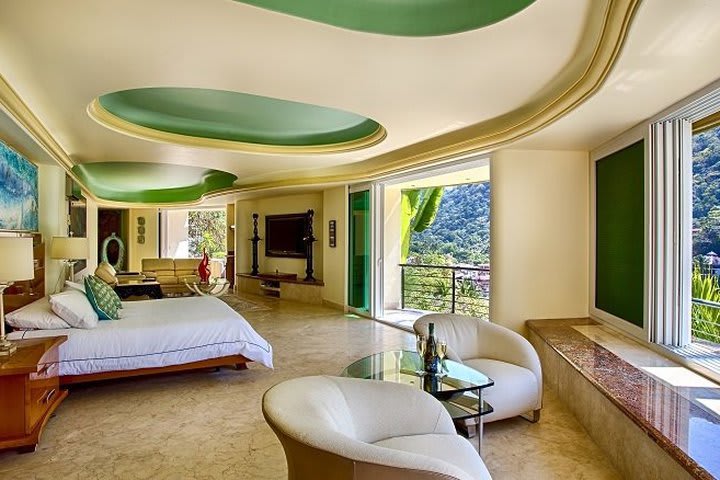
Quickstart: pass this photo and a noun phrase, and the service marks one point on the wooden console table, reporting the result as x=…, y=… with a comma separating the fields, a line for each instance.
x=281, y=286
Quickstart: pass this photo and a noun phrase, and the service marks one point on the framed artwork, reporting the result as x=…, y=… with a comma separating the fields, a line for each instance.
x=332, y=233
x=18, y=192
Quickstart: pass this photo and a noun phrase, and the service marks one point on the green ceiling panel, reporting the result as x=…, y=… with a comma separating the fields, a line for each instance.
x=136, y=182
x=239, y=117
x=414, y=18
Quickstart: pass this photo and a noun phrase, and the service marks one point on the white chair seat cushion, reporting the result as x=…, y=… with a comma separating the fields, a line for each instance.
x=449, y=448
x=515, y=391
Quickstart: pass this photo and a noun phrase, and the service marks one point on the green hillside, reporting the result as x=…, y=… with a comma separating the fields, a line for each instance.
x=706, y=192
x=461, y=230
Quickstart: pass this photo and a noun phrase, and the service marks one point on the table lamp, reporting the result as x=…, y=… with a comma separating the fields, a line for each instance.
x=69, y=250
x=16, y=263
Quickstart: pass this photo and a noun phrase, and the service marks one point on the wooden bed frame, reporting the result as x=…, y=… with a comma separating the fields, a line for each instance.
x=237, y=361
x=32, y=290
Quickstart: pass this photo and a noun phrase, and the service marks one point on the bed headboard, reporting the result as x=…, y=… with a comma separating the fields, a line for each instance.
x=22, y=293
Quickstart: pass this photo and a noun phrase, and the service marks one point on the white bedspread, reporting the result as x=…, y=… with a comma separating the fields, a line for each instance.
x=158, y=333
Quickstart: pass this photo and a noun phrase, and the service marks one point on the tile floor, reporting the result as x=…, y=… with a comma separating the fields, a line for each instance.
x=209, y=425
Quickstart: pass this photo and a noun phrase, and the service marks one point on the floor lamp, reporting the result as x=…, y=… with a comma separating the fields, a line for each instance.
x=16, y=264
x=69, y=250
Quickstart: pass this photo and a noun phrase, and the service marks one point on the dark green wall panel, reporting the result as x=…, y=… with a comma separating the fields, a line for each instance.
x=620, y=242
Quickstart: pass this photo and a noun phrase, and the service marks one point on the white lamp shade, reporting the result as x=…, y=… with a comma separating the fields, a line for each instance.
x=16, y=259
x=69, y=248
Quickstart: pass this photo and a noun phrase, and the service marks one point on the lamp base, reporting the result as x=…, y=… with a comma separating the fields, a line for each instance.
x=7, y=348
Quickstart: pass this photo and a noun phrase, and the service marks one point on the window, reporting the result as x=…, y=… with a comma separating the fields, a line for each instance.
x=186, y=233
x=705, y=310
x=683, y=300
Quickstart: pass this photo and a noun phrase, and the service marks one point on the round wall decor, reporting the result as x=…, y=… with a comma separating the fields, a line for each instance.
x=120, y=251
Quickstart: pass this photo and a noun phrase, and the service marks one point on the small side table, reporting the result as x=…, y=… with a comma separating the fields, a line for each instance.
x=215, y=288
x=139, y=288
x=460, y=391
x=31, y=392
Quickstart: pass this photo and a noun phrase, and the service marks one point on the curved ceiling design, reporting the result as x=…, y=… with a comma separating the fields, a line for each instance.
x=405, y=17
x=440, y=97
x=153, y=183
x=232, y=120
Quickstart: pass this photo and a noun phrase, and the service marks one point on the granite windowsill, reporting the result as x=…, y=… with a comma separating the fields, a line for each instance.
x=676, y=410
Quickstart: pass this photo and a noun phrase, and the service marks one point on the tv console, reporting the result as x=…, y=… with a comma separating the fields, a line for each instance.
x=281, y=285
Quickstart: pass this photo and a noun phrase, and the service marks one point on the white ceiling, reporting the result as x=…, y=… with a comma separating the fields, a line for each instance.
x=59, y=56
x=671, y=52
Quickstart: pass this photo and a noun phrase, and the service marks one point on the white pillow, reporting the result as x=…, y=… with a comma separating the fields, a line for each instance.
x=74, y=307
x=74, y=286
x=36, y=316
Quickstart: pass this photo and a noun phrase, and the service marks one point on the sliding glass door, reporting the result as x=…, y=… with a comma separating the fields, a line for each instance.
x=360, y=251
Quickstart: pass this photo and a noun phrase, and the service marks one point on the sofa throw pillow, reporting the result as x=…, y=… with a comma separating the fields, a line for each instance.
x=74, y=307
x=102, y=298
x=106, y=273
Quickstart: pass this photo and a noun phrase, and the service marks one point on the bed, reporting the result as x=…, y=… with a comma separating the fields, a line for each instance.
x=156, y=336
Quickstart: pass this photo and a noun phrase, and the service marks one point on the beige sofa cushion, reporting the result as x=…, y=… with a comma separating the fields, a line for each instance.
x=155, y=264
x=188, y=278
x=186, y=266
x=166, y=279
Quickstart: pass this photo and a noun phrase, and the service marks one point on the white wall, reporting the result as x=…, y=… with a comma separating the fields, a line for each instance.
x=392, y=249
x=539, y=236
x=335, y=261
x=276, y=206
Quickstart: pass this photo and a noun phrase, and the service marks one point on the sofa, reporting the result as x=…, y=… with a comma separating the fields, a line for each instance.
x=337, y=428
x=172, y=274
x=498, y=352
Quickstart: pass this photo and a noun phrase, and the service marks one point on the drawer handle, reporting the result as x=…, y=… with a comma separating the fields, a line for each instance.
x=46, y=398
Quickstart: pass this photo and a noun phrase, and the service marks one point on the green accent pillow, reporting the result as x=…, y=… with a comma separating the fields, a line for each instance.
x=102, y=297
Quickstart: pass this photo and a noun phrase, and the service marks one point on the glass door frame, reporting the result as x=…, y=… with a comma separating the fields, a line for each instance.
x=375, y=263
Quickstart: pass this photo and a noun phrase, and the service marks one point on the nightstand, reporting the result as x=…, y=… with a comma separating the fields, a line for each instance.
x=31, y=392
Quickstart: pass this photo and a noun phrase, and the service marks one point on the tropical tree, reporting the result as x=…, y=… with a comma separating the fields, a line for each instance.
x=207, y=230
x=419, y=209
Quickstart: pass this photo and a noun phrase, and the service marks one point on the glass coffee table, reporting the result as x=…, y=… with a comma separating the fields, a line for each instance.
x=460, y=390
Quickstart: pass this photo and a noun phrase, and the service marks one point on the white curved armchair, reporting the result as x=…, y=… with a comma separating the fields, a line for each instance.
x=338, y=428
x=498, y=352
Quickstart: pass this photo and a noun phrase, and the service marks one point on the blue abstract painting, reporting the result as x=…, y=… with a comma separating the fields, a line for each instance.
x=18, y=191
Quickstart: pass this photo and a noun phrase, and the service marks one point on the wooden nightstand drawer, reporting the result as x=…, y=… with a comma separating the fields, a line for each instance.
x=43, y=393
x=30, y=388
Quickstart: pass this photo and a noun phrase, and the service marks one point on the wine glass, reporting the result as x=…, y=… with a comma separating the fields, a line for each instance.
x=441, y=352
x=420, y=345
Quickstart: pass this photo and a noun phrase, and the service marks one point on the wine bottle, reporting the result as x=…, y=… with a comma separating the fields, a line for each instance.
x=431, y=359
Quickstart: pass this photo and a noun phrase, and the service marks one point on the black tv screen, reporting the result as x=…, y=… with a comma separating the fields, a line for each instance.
x=284, y=235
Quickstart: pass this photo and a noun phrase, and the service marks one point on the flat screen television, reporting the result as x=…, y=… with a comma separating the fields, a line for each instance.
x=284, y=235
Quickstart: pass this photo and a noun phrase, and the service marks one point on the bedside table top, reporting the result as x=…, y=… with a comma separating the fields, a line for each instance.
x=28, y=354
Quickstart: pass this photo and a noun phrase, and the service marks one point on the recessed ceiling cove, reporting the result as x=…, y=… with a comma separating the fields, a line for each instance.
x=411, y=18
x=151, y=183
x=233, y=120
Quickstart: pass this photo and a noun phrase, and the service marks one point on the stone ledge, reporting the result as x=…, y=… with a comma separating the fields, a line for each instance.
x=642, y=423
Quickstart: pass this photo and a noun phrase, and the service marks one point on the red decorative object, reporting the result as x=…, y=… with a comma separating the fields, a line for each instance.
x=204, y=269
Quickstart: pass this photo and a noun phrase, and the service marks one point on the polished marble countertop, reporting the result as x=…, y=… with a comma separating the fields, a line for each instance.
x=672, y=413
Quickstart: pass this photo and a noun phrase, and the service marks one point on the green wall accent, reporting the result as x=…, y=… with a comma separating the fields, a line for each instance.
x=234, y=116
x=620, y=245
x=136, y=182
x=359, y=247
x=414, y=18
